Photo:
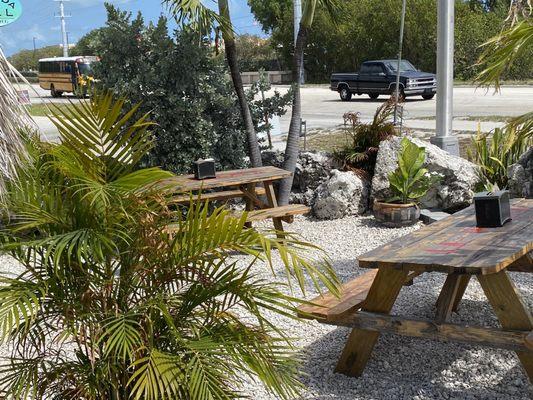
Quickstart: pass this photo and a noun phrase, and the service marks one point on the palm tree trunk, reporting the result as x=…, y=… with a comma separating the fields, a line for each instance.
x=293, y=139
x=231, y=56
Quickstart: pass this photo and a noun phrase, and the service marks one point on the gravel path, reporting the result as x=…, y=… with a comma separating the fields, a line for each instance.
x=400, y=368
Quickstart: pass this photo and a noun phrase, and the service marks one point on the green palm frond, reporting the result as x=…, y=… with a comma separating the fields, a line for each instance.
x=195, y=14
x=99, y=132
x=20, y=302
x=158, y=375
x=501, y=50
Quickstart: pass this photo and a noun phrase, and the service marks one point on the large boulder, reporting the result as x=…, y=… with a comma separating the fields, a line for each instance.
x=456, y=189
x=521, y=176
x=312, y=168
x=342, y=194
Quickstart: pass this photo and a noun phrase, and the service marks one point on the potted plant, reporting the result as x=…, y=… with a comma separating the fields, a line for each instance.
x=408, y=183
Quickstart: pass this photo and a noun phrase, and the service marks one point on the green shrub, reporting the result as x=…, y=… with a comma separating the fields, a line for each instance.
x=121, y=296
x=410, y=181
x=360, y=155
x=179, y=81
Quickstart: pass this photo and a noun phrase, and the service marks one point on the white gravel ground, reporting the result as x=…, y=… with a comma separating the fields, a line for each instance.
x=400, y=368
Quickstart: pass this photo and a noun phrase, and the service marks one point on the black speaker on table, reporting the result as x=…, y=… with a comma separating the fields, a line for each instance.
x=492, y=208
x=204, y=169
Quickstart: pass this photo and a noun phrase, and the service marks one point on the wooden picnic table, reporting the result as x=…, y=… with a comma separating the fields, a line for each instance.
x=456, y=247
x=251, y=184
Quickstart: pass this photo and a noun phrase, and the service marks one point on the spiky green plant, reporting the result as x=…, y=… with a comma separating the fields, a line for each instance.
x=121, y=295
x=360, y=155
x=496, y=151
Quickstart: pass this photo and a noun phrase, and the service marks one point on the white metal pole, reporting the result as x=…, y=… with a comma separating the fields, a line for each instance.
x=297, y=18
x=445, y=48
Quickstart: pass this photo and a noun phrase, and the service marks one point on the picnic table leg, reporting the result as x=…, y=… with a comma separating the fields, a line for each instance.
x=463, y=284
x=512, y=312
x=381, y=297
x=447, y=297
x=250, y=188
x=273, y=202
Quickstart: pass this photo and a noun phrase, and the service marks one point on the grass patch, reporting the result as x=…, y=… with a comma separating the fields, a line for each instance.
x=486, y=118
x=42, y=110
x=336, y=139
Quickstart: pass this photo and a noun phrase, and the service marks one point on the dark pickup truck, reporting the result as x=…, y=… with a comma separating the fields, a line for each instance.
x=379, y=77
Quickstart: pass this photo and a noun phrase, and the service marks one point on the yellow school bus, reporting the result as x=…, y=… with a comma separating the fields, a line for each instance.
x=65, y=74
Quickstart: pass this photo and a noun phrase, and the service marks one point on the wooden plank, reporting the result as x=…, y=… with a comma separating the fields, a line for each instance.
x=216, y=196
x=277, y=212
x=463, y=284
x=330, y=307
x=529, y=340
x=456, y=245
x=381, y=297
x=187, y=183
x=480, y=336
x=511, y=311
x=523, y=264
x=353, y=295
x=447, y=297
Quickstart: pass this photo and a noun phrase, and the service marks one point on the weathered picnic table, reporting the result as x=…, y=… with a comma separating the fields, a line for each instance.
x=250, y=184
x=456, y=247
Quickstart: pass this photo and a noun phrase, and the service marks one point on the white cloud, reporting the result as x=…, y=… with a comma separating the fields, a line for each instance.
x=91, y=3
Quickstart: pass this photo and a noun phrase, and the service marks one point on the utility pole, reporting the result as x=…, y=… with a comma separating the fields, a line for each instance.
x=445, y=46
x=297, y=18
x=34, y=50
x=397, y=97
x=62, y=16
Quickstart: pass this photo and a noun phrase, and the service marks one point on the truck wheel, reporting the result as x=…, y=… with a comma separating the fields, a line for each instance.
x=345, y=94
x=428, y=96
x=54, y=92
x=373, y=96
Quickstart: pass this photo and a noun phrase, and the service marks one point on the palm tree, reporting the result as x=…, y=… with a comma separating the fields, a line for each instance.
x=205, y=21
x=13, y=120
x=123, y=295
x=293, y=139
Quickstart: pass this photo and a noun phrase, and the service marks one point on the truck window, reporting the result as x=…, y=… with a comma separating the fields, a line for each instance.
x=366, y=68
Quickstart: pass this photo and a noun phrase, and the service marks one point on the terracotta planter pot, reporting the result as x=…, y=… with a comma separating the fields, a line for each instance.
x=396, y=215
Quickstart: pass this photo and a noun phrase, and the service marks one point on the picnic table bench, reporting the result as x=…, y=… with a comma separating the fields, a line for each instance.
x=251, y=184
x=456, y=247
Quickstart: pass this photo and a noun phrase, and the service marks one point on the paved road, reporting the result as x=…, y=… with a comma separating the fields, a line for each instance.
x=322, y=108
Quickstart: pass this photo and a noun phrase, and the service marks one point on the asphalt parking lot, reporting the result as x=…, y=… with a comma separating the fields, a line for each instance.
x=322, y=108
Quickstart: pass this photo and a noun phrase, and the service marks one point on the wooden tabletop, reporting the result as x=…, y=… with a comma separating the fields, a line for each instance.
x=455, y=244
x=236, y=177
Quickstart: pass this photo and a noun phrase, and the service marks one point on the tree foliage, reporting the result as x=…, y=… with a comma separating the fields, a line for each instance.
x=179, y=81
x=121, y=295
x=368, y=29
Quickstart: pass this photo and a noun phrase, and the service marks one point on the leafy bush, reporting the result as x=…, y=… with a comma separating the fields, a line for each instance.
x=177, y=79
x=265, y=108
x=360, y=155
x=121, y=295
x=494, y=152
x=410, y=181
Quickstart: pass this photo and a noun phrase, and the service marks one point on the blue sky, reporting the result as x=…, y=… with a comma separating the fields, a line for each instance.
x=38, y=20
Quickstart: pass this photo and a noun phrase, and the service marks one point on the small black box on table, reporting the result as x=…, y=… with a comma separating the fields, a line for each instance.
x=204, y=169
x=492, y=208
